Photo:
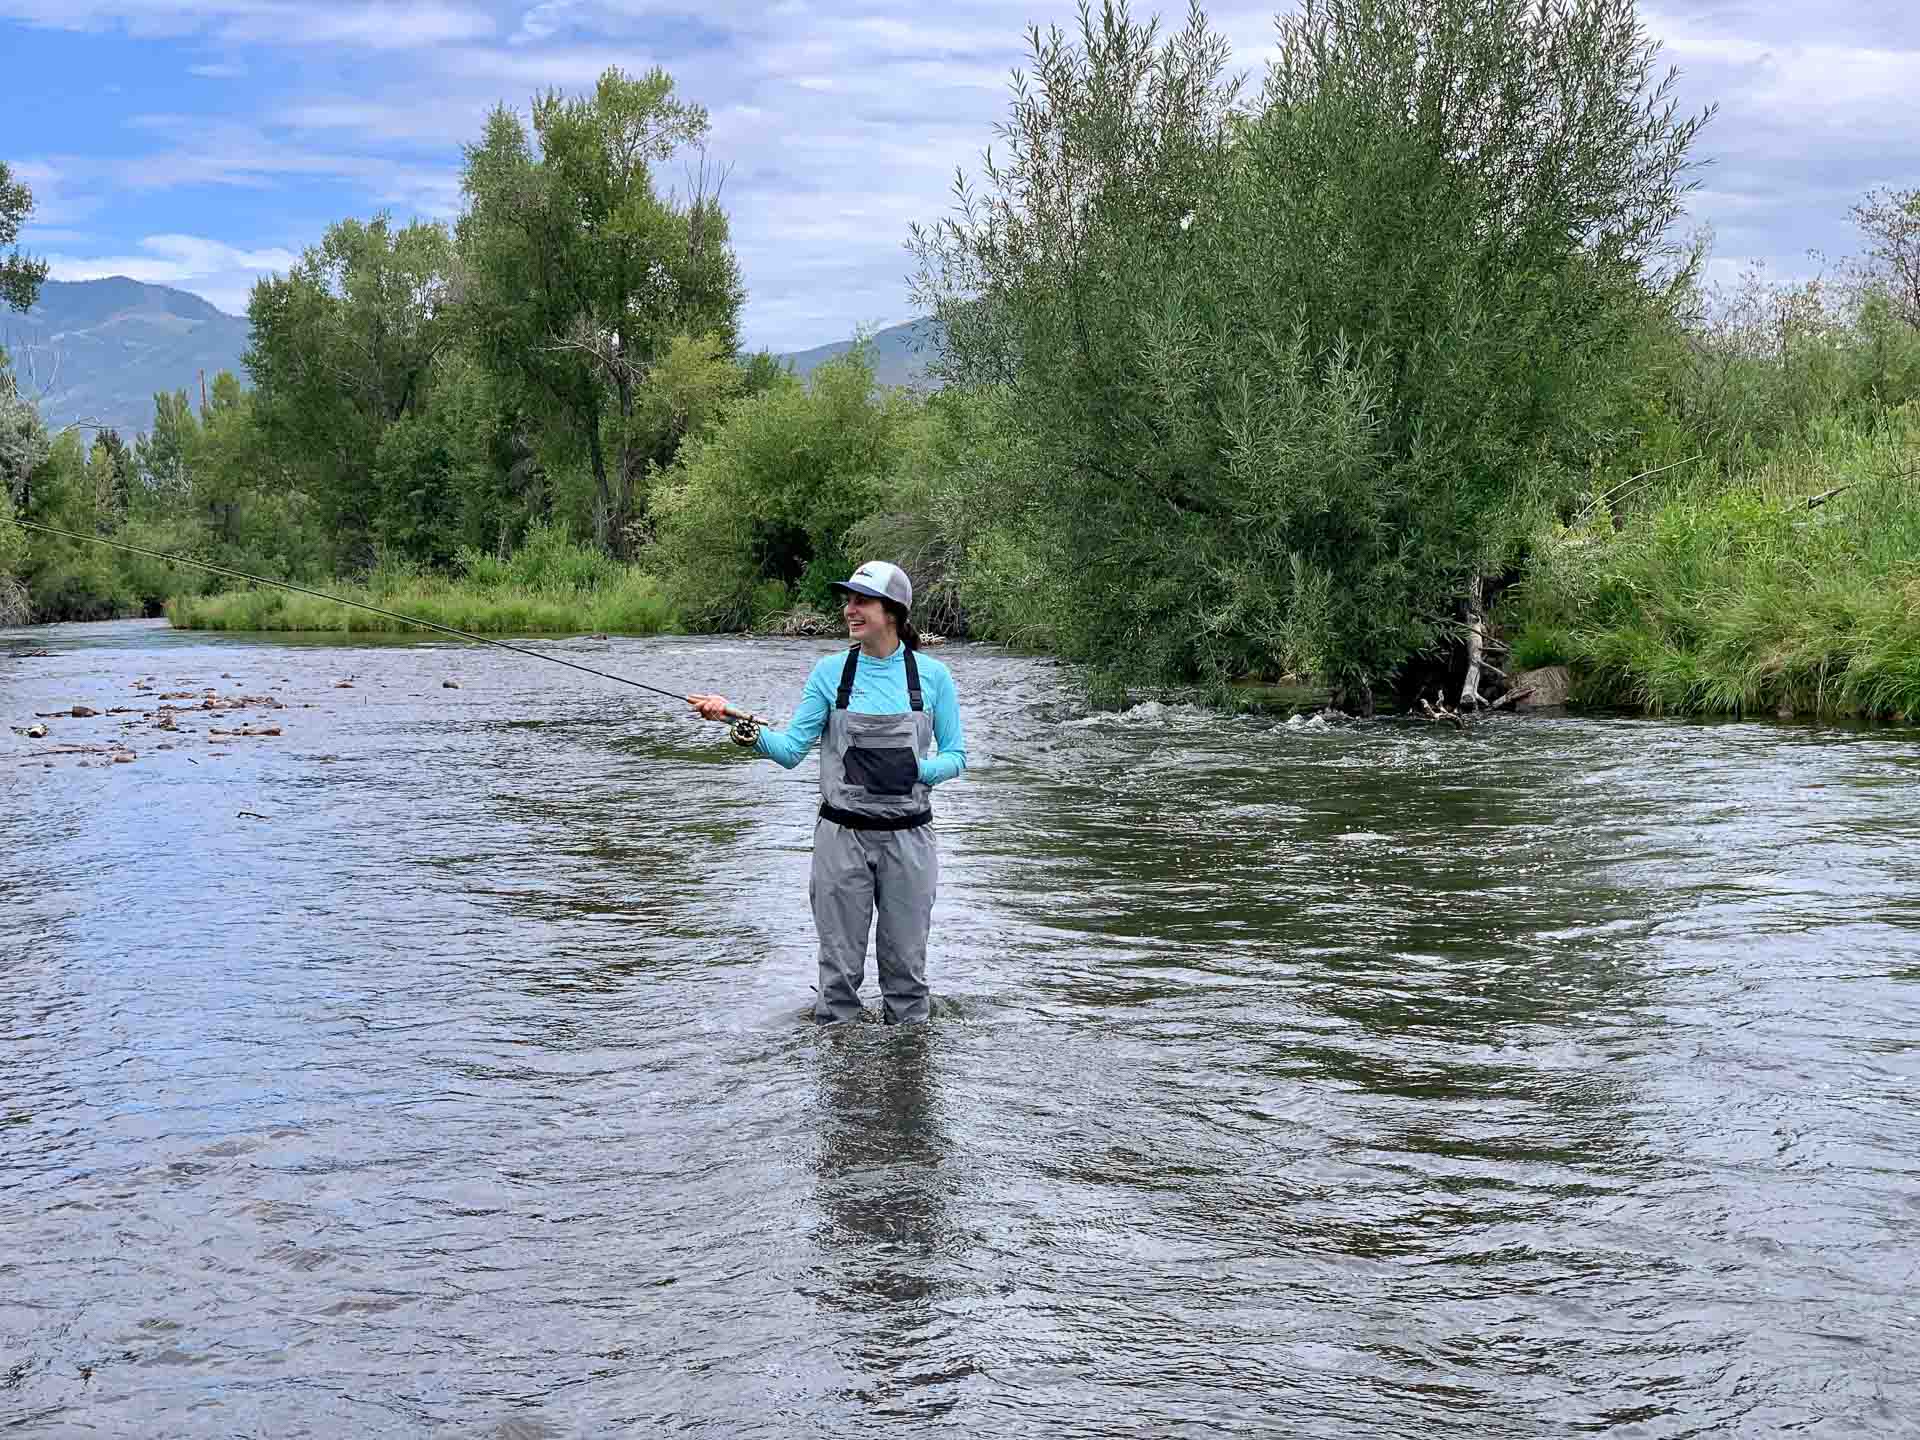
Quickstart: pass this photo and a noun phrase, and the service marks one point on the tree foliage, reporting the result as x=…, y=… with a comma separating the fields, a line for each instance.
x=1890, y=219
x=20, y=275
x=756, y=513
x=1244, y=378
x=23, y=439
x=23, y=442
x=1297, y=368
x=343, y=348
x=580, y=272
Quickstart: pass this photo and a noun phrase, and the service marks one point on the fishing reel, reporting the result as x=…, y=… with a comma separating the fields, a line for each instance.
x=745, y=732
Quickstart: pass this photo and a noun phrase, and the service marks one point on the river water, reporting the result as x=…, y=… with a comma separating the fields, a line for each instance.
x=442, y=1065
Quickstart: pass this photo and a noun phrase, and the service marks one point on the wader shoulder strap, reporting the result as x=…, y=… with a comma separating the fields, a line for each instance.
x=913, y=682
x=914, y=698
x=846, y=678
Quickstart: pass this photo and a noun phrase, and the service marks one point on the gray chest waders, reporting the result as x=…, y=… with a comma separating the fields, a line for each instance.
x=874, y=854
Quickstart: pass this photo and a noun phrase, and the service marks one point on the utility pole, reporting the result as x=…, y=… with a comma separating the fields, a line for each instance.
x=203, y=397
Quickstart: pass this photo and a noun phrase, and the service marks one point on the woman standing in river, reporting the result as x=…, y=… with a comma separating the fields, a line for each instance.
x=889, y=724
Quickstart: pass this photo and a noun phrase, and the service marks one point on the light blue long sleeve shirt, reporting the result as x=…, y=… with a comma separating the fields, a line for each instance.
x=879, y=688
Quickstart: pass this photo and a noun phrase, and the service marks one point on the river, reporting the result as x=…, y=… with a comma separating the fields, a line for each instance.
x=442, y=1065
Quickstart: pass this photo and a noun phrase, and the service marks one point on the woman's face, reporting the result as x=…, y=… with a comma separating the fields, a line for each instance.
x=867, y=618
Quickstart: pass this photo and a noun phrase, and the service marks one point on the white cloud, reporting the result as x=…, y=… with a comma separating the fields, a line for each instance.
x=246, y=157
x=59, y=198
x=842, y=121
x=439, y=120
x=369, y=27
x=219, y=273
x=545, y=20
x=374, y=26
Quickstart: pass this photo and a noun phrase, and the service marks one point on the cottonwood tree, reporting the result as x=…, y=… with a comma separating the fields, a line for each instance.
x=343, y=349
x=162, y=458
x=110, y=472
x=580, y=272
x=1297, y=366
x=20, y=275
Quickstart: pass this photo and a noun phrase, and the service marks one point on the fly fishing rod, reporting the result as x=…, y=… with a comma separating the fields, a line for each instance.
x=733, y=713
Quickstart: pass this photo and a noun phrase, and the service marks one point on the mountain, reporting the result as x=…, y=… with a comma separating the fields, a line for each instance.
x=900, y=353
x=97, y=350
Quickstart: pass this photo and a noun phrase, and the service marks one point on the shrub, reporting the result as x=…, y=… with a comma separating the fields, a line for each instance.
x=770, y=494
x=1292, y=372
x=1796, y=586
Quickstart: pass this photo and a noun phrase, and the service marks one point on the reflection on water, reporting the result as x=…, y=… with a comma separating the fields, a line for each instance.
x=888, y=1245
x=444, y=1064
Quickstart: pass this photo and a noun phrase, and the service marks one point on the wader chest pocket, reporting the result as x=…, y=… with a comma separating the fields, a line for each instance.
x=882, y=752
x=882, y=770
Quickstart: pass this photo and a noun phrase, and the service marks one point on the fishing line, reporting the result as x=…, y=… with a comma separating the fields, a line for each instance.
x=732, y=713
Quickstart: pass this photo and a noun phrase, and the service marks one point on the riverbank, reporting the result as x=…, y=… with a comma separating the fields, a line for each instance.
x=631, y=605
x=1793, y=589
x=551, y=585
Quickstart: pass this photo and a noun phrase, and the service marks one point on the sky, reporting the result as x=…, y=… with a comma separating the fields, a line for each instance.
x=204, y=143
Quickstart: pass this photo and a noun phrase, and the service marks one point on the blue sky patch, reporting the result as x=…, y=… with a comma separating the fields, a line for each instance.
x=203, y=143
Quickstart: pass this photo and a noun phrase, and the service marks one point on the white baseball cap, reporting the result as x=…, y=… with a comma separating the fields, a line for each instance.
x=879, y=581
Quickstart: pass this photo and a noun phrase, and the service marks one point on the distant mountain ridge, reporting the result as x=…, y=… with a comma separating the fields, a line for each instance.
x=98, y=350
x=901, y=354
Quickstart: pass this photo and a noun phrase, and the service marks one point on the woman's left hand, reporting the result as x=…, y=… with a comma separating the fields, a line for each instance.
x=711, y=707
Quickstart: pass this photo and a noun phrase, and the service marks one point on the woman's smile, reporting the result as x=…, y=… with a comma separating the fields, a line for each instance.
x=860, y=613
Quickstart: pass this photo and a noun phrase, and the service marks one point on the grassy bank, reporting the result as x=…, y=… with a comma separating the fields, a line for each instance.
x=636, y=607
x=1795, y=588
x=550, y=585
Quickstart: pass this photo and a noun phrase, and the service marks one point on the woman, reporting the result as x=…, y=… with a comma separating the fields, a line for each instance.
x=889, y=724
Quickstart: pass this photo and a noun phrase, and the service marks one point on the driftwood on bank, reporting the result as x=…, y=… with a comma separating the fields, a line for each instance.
x=1512, y=697
x=800, y=623
x=1476, y=644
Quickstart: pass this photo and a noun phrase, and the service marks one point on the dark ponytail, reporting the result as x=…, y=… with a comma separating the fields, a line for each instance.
x=909, y=636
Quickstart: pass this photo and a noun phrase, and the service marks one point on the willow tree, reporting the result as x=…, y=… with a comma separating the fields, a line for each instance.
x=580, y=272
x=1297, y=366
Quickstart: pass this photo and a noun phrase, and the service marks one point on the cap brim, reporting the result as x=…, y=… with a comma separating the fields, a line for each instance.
x=865, y=590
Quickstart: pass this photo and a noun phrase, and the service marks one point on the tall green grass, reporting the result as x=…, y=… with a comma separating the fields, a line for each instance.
x=1743, y=598
x=551, y=585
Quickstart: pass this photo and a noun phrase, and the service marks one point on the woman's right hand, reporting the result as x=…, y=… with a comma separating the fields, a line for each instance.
x=711, y=707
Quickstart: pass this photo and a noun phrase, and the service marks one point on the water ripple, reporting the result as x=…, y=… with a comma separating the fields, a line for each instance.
x=444, y=1063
